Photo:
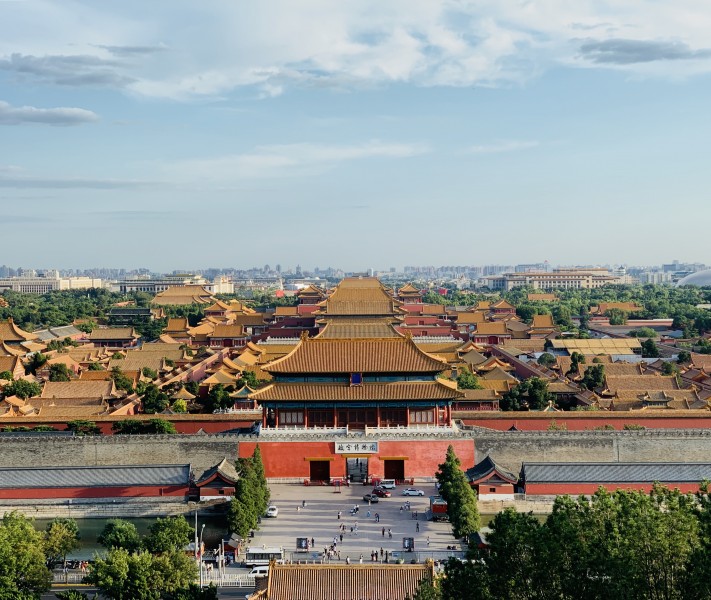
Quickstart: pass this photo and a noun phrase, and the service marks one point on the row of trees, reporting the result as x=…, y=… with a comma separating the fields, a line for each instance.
x=251, y=495
x=622, y=545
x=461, y=498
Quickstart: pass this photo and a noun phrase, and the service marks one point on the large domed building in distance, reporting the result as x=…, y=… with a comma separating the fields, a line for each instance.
x=699, y=279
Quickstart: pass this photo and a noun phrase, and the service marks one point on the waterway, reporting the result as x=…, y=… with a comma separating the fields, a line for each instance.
x=90, y=529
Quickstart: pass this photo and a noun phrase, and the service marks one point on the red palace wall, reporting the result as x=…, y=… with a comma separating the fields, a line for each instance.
x=97, y=492
x=422, y=457
x=575, y=489
x=581, y=421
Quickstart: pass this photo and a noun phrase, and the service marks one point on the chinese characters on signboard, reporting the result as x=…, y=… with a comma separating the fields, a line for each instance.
x=356, y=447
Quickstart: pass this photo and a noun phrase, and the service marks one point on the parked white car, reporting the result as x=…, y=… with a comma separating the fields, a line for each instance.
x=413, y=492
x=272, y=511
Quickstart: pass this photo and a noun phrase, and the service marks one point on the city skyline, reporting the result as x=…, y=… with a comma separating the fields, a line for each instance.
x=476, y=132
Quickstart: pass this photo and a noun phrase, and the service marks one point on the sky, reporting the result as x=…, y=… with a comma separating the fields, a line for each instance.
x=369, y=134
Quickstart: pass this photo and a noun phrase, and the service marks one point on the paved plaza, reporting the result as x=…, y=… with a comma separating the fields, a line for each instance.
x=319, y=520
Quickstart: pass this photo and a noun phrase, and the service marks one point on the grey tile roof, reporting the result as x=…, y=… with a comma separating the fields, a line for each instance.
x=615, y=472
x=119, y=476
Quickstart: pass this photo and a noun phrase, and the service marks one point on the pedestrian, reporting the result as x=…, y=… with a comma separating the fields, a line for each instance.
x=386, y=556
x=368, y=515
x=418, y=527
x=339, y=515
x=428, y=540
x=381, y=552
x=313, y=542
x=377, y=517
x=348, y=560
x=383, y=531
x=360, y=560
x=303, y=504
x=341, y=536
x=390, y=533
x=400, y=508
x=351, y=528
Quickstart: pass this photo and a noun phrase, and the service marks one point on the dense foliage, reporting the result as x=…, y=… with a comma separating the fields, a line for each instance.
x=123, y=575
x=251, y=495
x=625, y=544
x=23, y=571
x=531, y=394
x=461, y=498
x=138, y=427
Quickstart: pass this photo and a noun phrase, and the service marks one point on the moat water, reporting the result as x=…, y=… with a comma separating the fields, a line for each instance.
x=90, y=529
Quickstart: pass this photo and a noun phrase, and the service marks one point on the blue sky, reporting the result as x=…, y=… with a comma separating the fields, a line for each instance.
x=366, y=134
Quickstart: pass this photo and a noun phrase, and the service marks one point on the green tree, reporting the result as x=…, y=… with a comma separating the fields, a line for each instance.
x=127, y=427
x=171, y=533
x=43, y=428
x=81, y=427
x=427, y=591
x=6, y=375
x=649, y=349
x=643, y=332
x=159, y=426
x=546, y=360
x=594, y=376
x=154, y=399
x=180, y=406
x=461, y=498
x=514, y=558
x=141, y=576
x=61, y=537
x=466, y=580
x=239, y=518
x=86, y=327
x=576, y=359
x=71, y=595
x=218, y=398
x=59, y=372
x=249, y=378
x=23, y=572
x=467, y=380
x=617, y=316
x=150, y=373
x=683, y=357
x=194, y=592
x=36, y=362
x=22, y=389
x=670, y=368
x=95, y=366
x=531, y=394
x=121, y=381
x=118, y=533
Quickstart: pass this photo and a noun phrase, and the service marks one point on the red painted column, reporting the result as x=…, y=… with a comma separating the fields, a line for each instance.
x=306, y=417
x=264, y=417
x=377, y=416
x=276, y=418
x=335, y=420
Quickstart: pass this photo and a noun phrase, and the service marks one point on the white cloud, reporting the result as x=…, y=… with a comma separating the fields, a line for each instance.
x=286, y=160
x=502, y=146
x=11, y=115
x=273, y=45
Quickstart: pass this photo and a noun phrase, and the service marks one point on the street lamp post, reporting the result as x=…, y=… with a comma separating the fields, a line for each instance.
x=201, y=575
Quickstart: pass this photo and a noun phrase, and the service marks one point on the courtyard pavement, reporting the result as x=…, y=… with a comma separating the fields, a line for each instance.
x=319, y=520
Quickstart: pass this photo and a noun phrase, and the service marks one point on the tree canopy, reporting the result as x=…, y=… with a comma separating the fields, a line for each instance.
x=23, y=571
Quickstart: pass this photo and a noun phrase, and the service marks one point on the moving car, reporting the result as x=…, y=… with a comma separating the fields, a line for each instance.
x=272, y=511
x=381, y=493
x=372, y=498
x=412, y=492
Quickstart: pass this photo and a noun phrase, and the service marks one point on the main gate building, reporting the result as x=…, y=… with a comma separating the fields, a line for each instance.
x=359, y=399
